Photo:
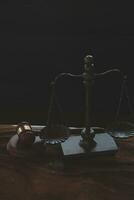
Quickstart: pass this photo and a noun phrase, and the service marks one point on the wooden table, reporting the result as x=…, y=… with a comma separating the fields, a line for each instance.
x=100, y=177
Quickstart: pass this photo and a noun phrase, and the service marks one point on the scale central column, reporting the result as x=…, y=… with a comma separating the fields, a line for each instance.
x=88, y=79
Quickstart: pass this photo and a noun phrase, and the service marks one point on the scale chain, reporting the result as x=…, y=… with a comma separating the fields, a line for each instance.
x=124, y=90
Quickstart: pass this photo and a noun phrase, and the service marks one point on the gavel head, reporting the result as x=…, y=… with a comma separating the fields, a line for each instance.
x=25, y=133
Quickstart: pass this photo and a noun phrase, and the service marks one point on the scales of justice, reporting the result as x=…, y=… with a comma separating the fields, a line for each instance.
x=90, y=141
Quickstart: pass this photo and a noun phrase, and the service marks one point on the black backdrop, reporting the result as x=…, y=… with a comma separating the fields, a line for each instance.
x=39, y=39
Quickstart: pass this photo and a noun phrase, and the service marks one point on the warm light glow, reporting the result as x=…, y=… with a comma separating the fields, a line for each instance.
x=27, y=127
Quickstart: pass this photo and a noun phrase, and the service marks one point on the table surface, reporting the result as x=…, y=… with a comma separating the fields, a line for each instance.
x=100, y=177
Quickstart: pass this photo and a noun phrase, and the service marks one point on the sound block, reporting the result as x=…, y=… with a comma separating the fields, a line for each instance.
x=105, y=144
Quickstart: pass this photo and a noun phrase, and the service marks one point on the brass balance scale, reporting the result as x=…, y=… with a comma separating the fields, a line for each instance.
x=90, y=141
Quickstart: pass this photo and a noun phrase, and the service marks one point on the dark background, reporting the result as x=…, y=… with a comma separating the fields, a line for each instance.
x=39, y=39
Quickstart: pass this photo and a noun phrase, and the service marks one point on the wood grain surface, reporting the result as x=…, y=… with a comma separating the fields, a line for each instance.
x=48, y=178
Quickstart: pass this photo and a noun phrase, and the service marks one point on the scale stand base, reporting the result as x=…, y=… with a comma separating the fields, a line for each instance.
x=105, y=144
